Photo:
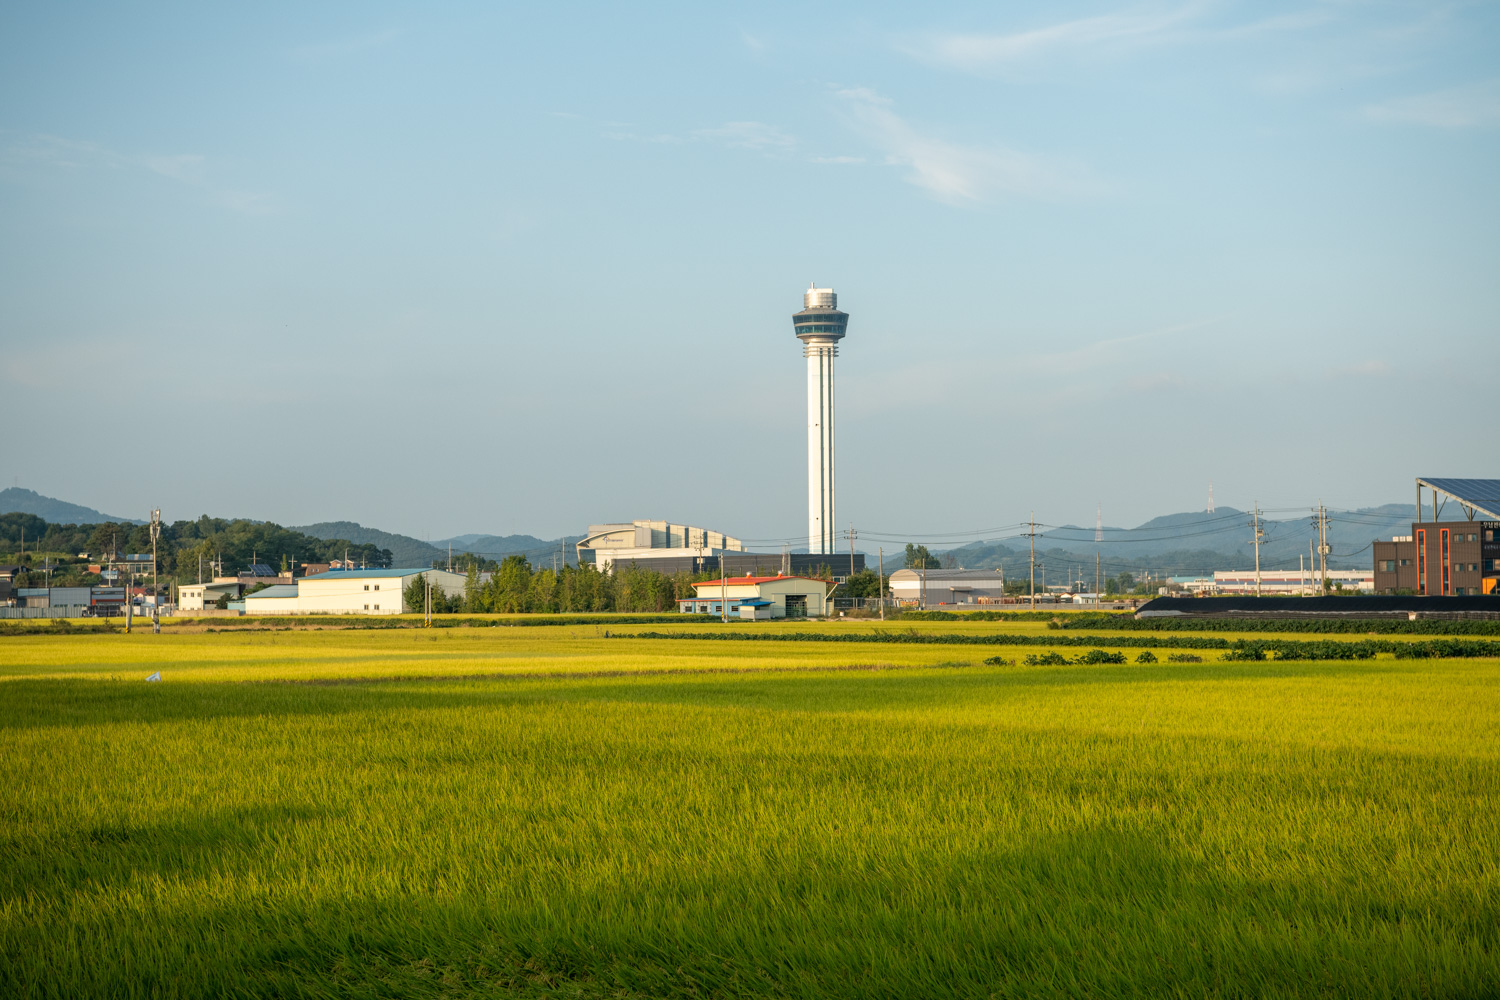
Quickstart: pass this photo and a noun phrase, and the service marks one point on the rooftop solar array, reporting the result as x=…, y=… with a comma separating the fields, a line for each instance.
x=1483, y=494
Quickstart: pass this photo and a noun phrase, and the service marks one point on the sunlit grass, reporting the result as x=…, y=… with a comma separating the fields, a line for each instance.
x=1235, y=829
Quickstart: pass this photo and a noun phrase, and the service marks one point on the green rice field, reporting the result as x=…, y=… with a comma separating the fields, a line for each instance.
x=577, y=811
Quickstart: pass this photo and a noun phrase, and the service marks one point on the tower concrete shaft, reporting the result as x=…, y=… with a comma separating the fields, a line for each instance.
x=820, y=326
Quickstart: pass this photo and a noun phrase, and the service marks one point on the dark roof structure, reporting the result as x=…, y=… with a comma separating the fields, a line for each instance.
x=1247, y=606
x=1474, y=495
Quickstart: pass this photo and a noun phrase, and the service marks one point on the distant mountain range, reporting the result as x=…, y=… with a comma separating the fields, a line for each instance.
x=408, y=551
x=1198, y=542
x=1174, y=544
x=24, y=501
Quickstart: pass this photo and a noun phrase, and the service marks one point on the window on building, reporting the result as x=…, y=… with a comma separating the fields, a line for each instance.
x=377, y=586
x=377, y=607
x=367, y=607
x=367, y=586
x=1388, y=565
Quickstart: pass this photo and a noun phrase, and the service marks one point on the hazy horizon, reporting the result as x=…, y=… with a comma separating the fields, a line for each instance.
x=493, y=270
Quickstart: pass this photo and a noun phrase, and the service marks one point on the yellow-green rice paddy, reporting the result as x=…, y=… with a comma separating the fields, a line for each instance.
x=548, y=811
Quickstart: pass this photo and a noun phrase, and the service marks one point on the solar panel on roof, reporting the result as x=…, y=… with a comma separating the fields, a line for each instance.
x=1482, y=494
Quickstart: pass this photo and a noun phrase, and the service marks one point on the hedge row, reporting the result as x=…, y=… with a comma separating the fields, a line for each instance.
x=438, y=621
x=950, y=639
x=1240, y=649
x=1327, y=626
x=994, y=616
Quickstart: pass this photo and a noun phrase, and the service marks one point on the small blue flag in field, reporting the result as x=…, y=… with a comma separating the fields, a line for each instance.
x=155, y=677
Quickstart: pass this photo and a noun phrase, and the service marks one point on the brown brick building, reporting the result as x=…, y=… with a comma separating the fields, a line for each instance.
x=1441, y=559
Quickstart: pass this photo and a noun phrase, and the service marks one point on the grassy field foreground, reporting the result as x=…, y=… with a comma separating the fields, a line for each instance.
x=578, y=822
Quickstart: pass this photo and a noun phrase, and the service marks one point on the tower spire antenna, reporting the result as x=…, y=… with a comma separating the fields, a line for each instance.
x=820, y=326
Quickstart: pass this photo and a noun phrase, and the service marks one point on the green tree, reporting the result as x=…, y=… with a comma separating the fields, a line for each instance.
x=865, y=584
x=413, y=598
x=917, y=557
x=510, y=586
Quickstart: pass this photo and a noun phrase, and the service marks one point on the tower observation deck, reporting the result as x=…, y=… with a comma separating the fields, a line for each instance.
x=820, y=326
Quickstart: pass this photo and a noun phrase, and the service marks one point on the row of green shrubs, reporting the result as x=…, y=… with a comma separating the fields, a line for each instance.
x=995, y=616
x=438, y=621
x=1239, y=649
x=1326, y=626
x=951, y=639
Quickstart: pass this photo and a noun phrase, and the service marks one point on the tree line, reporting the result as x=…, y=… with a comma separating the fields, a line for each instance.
x=515, y=587
x=184, y=549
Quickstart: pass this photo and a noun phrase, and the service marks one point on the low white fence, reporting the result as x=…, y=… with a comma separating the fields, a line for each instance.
x=65, y=611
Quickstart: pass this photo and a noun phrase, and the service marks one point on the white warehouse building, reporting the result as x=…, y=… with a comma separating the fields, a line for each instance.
x=348, y=592
x=948, y=586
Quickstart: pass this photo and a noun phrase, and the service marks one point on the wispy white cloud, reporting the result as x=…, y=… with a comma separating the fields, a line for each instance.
x=981, y=52
x=1106, y=352
x=187, y=168
x=1476, y=105
x=59, y=153
x=338, y=48
x=748, y=135
x=838, y=159
x=757, y=137
x=44, y=150
x=1122, y=31
x=954, y=173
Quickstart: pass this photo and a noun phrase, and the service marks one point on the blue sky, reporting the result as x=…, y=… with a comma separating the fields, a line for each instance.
x=525, y=267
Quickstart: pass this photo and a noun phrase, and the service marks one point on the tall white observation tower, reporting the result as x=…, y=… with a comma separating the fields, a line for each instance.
x=820, y=326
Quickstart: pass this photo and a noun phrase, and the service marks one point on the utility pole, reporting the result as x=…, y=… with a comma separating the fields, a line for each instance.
x=724, y=587
x=1323, y=546
x=922, y=597
x=1032, y=536
x=1259, y=536
x=155, y=592
x=851, y=550
x=1096, y=578
x=882, y=583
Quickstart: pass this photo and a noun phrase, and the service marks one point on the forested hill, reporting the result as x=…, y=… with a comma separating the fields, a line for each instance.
x=408, y=551
x=1197, y=541
x=538, y=551
x=405, y=550
x=16, y=500
x=1194, y=543
x=185, y=550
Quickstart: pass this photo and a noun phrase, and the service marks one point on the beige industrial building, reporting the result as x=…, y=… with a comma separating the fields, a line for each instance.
x=653, y=541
